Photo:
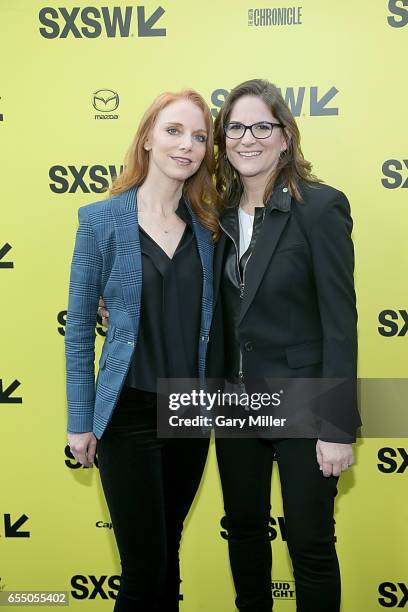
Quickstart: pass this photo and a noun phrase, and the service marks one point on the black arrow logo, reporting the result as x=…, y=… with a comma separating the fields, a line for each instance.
x=5, y=395
x=145, y=28
x=3, y=251
x=11, y=530
x=319, y=107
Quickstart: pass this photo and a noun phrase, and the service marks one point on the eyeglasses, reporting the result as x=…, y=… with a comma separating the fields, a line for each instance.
x=260, y=130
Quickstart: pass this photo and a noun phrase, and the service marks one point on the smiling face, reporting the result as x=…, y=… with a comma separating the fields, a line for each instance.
x=177, y=142
x=252, y=157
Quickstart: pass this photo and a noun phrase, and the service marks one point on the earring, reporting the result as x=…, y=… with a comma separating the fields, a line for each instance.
x=283, y=153
x=146, y=148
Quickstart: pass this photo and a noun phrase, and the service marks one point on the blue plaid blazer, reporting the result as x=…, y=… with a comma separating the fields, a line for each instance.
x=107, y=261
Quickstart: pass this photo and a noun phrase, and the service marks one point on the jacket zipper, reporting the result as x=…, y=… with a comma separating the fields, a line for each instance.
x=241, y=295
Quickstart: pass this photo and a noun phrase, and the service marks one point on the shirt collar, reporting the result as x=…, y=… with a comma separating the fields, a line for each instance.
x=280, y=200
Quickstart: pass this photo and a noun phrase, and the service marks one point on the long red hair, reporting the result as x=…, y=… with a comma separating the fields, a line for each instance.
x=199, y=188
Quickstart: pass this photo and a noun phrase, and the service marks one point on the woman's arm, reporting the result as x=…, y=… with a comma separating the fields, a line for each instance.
x=333, y=267
x=84, y=292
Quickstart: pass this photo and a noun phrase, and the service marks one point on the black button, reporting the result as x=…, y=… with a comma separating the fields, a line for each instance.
x=248, y=346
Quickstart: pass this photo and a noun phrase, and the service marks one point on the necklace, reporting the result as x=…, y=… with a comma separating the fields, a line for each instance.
x=165, y=228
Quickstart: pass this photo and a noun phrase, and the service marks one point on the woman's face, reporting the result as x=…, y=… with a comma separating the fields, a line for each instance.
x=177, y=142
x=253, y=157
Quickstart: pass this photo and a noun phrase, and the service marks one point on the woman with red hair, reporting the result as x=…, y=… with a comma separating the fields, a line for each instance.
x=148, y=250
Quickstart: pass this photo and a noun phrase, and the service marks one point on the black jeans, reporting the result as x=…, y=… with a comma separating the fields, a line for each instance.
x=245, y=467
x=149, y=486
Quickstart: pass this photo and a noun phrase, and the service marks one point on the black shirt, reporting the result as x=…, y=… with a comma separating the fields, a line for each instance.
x=170, y=316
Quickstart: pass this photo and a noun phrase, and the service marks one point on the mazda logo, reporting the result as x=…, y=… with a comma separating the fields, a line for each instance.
x=105, y=100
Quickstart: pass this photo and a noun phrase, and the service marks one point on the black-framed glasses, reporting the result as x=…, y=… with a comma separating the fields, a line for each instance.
x=262, y=129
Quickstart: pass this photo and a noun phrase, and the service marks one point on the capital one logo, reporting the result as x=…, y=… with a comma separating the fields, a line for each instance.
x=399, y=14
x=313, y=101
x=105, y=100
x=394, y=594
x=93, y=22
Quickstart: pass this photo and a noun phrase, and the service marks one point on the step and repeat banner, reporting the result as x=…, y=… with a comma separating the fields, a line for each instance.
x=75, y=78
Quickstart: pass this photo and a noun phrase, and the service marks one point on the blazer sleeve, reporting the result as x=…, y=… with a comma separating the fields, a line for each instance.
x=84, y=292
x=333, y=266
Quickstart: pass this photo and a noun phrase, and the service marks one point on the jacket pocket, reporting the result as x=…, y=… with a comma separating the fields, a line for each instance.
x=305, y=354
x=292, y=247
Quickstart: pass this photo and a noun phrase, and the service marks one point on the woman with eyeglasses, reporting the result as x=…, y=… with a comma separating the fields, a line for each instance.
x=284, y=283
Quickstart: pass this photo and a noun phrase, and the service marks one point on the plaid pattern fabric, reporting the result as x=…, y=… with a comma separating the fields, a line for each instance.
x=107, y=261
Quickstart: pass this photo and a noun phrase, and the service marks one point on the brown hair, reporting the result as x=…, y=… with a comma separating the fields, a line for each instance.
x=199, y=188
x=290, y=168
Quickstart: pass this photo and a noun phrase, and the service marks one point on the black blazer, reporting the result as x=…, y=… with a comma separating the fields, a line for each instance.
x=298, y=314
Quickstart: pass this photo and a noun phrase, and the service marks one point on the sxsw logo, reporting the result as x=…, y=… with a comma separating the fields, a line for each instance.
x=311, y=101
x=73, y=464
x=3, y=252
x=87, y=179
x=394, y=170
x=393, y=323
x=392, y=460
x=92, y=587
x=394, y=594
x=6, y=392
x=13, y=526
x=62, y=320
x=399, y=16
x=93, y=22
x=276, y=528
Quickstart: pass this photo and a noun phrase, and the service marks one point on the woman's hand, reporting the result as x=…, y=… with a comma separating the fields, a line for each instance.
x=83, y=447
x=334, y=457
x=103, y=313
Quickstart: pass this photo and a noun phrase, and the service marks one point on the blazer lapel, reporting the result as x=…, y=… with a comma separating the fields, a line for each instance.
x=205, y=247
x=277, y=215
x=128, y=248
x=218, y=261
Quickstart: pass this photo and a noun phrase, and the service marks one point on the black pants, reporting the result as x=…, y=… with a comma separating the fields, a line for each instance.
x=308, y=500
x=149, y=485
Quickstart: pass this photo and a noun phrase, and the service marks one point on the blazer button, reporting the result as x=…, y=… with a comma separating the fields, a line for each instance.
x=248, y=346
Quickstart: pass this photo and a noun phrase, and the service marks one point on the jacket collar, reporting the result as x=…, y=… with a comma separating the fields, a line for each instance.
x=280, y=199
x=125, y=216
